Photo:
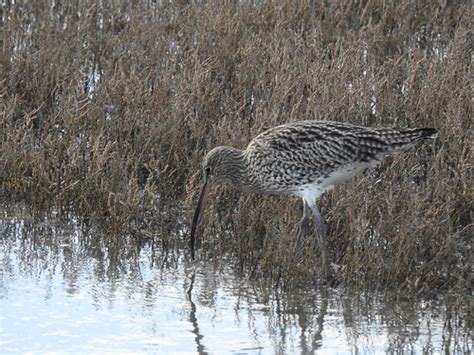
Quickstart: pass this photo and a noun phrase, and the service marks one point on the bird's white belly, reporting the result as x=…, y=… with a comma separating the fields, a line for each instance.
x=309, y=192
x=313, y=190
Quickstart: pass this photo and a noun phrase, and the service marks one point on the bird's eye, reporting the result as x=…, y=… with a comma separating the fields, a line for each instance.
x=207, y=170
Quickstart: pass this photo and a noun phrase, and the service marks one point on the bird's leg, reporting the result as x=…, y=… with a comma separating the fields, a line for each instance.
x=302, y=227
x=321, y=228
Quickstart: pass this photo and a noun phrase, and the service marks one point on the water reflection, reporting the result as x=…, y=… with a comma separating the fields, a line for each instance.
x=192, y=315
x=67, y=288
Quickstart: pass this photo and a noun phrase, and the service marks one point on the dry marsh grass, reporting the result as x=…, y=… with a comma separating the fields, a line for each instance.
x=107, y=111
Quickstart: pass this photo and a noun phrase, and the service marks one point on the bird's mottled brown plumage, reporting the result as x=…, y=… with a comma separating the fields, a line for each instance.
x=286, y=157
x=304, y=159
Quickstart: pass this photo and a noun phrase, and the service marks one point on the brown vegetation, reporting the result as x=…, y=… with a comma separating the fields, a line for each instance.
x=107, y=111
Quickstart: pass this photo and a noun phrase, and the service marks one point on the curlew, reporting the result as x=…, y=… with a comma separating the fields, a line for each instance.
x=304, y=159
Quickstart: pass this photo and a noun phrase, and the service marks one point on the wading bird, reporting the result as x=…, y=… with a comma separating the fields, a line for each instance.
x=303, y=159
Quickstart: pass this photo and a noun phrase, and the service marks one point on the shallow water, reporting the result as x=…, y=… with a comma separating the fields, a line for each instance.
x=66, y=289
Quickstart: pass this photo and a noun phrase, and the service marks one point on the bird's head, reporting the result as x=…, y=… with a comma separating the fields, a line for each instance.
x=220, y=164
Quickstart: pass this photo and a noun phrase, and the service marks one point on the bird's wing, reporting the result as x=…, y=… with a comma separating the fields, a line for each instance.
x=310, y=144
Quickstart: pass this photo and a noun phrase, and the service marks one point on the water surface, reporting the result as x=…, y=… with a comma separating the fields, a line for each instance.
x=68, y=289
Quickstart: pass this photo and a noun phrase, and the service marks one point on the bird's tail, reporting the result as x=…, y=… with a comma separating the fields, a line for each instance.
x=416, y=134
x=382, y=141
x=398, y=140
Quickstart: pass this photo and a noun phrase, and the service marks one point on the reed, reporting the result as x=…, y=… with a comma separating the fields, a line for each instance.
x=107, y=111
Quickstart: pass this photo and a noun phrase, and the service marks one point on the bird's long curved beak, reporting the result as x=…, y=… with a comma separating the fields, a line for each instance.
x=202, y=198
